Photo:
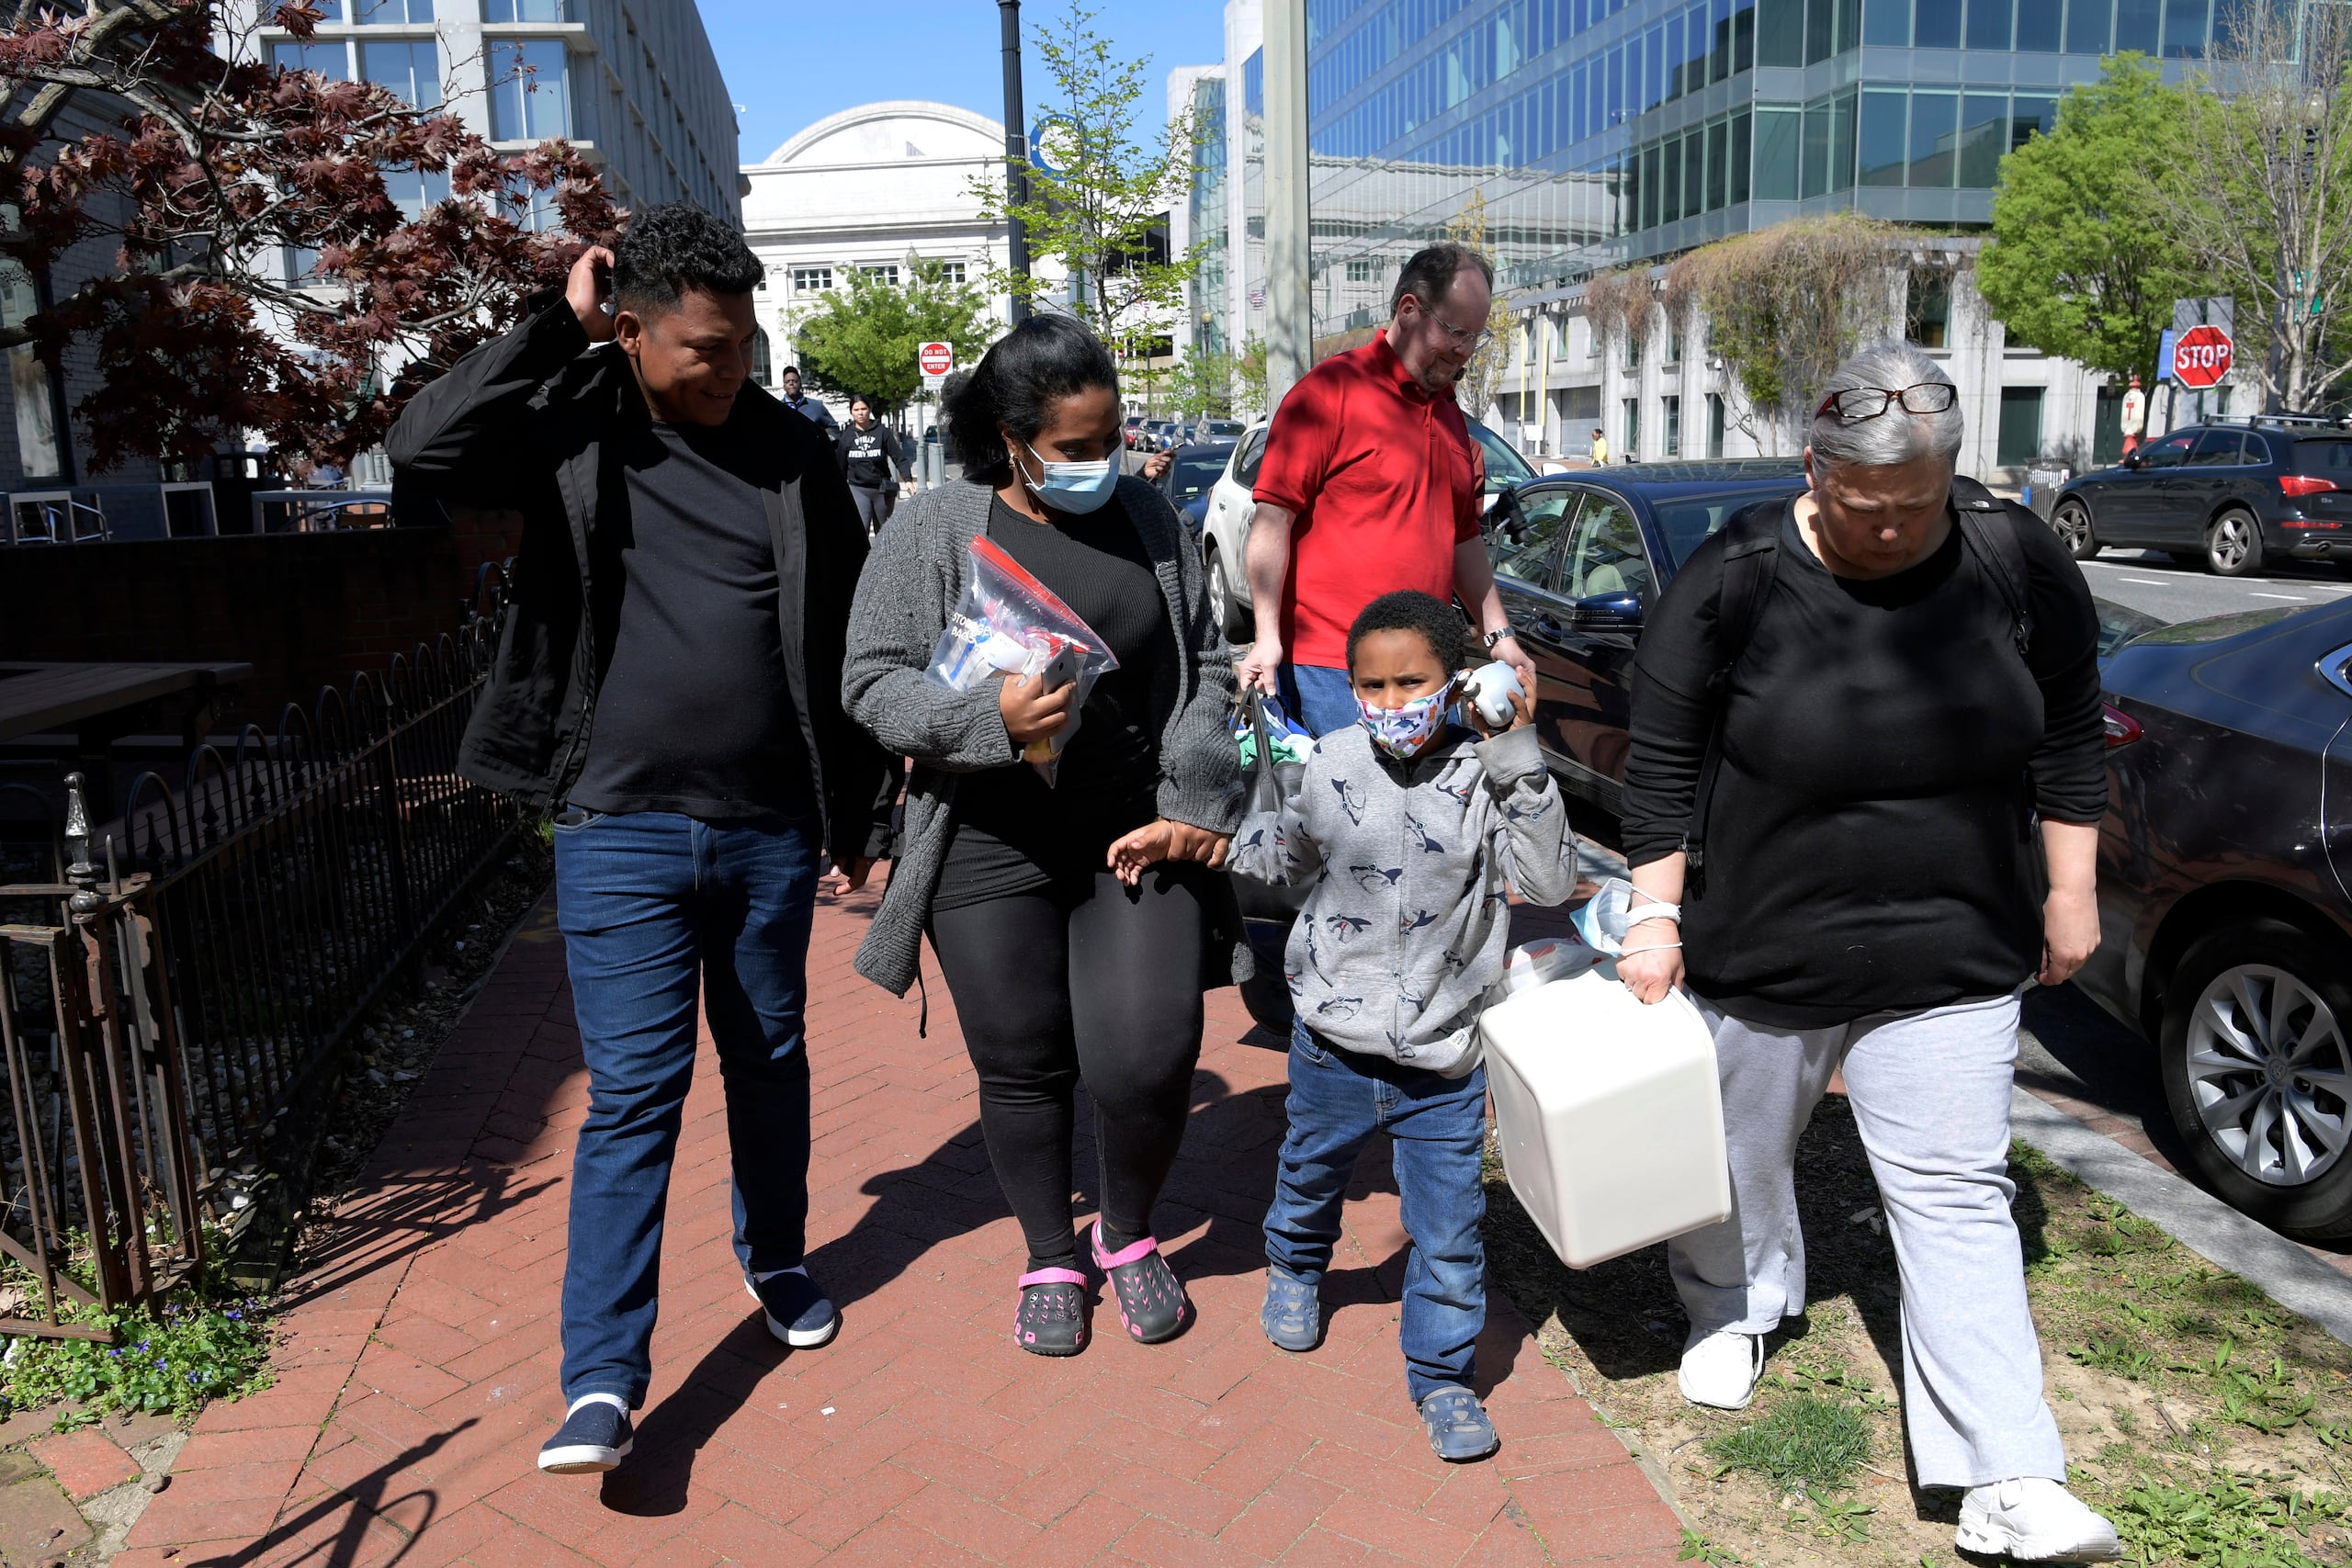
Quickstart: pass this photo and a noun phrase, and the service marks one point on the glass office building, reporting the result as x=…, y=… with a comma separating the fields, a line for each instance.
x=1601, y=132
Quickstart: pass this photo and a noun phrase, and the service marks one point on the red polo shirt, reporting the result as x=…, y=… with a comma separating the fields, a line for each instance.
x=1384, y=480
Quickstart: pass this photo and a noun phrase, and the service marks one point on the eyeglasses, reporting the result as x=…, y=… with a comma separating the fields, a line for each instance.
x=1858, y=403
x=1470, y=340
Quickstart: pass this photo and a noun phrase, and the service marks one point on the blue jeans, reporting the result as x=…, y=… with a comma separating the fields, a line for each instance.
x=1437, y=1128
x=1319, y=697
x=657, y=908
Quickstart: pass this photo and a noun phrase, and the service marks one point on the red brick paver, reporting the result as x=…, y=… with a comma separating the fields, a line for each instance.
x=85, y=1462
x=418, y=1374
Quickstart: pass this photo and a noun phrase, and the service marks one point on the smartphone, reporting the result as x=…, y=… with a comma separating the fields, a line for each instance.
x=1059, y=670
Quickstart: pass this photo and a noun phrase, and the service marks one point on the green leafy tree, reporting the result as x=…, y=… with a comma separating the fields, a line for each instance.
x=862, y=340
x=1202, y=384
x=1249, y=374
x=2086, y=258
x=1100, y=213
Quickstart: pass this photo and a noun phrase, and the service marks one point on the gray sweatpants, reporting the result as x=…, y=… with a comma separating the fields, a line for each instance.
x=1930, y=1093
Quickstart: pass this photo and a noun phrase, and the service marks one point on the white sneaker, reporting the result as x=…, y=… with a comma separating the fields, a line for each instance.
x=2034, y=1520
x=1721, y=1368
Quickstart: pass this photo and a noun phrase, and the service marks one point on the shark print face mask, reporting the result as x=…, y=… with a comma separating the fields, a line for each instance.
x=1403, y=731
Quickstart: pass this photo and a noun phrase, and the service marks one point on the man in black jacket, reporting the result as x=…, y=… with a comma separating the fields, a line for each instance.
x=668, y=680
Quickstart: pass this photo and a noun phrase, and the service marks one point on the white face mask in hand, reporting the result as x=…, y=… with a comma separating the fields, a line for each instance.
x=1609, y=915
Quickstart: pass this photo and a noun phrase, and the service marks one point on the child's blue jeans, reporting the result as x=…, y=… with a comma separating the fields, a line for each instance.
x=1438, y=1126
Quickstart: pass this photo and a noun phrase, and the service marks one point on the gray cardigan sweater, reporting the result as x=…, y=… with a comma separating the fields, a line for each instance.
x=910, y=587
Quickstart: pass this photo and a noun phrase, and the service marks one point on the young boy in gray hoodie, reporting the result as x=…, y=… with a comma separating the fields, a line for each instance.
x=1413, y=831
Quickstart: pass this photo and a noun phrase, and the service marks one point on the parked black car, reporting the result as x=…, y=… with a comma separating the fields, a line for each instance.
x=1192, y=473
x=2227, y=928
x=2234, y=497
x=1581, y=558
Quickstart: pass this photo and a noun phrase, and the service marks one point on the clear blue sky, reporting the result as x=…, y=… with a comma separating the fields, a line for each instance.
x=791, y=64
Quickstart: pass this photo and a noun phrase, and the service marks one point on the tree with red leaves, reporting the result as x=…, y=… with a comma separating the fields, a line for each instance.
x=212, y=162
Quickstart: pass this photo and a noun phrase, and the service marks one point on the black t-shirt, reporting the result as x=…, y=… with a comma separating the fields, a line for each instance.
x=867, y=456
x=694, y=714
x=1870, y=844
x=1012, y=831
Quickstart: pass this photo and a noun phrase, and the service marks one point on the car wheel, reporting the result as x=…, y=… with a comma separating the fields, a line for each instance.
x=2256, y=1053
x=2073, y=522
x=2234, y=544
x=1228, y=614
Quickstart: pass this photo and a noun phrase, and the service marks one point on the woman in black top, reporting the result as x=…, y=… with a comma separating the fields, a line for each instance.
x=1071, y=920
x=869, y=450
x=1904, y=706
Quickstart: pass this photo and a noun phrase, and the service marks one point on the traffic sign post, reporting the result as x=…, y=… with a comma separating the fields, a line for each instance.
x=2200, y=356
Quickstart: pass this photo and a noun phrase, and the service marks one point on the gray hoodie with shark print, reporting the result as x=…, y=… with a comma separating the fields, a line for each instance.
x=1413, y=863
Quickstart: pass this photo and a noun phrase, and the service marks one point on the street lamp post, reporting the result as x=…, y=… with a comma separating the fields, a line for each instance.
x=1016, y=159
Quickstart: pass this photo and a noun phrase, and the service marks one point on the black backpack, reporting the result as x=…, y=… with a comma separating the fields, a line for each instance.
x=1751, y=561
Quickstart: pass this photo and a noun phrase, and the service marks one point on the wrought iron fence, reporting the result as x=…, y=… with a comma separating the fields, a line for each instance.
x=179, y=986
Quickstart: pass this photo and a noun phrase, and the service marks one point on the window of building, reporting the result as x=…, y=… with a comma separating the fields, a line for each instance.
x=32, y=387
x=1887, y=22
x=2021, y=438
x=413, y=190
x=1714, y=424
x=390, y=13
x=1778, y=133
x=1362, y=269
x=2135, y=25
x=531, y=99
x=526, y=11
x=411, y=67
x=1671, y=338
x=1935, y=24
x=1991, y=22
x=1983, y=137
x=2089, y=24
x=1673, y=426
x=332, y=61
x=763, y=364
x=1884, y=124
x=884, y=273
x=1633, y=430
x=1935, y=128
x=1926, y=308
x=952, y=272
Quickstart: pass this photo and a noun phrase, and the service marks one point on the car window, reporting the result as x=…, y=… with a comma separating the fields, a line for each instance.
x=1528, y=558
x=1189, y=475
x=1253, y=453
x=2329, y=456
x=1605, y=554
x=1688, y=524
x=2258, y=449
x=2217, y=448
x=2167, y=453
x=1504, y=467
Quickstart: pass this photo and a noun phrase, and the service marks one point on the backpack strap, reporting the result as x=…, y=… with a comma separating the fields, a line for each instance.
x=1751, y=561
x=1992, y=532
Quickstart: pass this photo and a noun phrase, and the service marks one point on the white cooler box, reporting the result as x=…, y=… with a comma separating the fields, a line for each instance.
x=1608, y=1112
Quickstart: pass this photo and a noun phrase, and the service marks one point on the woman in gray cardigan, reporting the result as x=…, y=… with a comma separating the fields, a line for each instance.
x=1074, y=920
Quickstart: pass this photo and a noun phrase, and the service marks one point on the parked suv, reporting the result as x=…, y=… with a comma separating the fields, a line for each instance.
x=2234, y=497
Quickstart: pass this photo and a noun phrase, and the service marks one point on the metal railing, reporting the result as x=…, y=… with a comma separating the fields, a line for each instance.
x=177, y=990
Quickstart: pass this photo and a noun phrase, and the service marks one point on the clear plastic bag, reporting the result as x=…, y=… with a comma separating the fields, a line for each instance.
x=1008, y=623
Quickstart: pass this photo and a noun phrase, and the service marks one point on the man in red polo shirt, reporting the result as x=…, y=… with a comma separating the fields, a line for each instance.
x=1370, y=483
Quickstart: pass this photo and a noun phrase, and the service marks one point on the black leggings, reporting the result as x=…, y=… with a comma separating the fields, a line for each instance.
x=1087, y=979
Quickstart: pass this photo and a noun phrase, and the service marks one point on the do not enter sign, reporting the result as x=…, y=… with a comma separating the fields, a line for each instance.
x=2200, y=356
x=935, y=358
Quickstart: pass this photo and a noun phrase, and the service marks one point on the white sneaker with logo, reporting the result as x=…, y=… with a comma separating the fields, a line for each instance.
x=2034, y=1520
x=1721, y=1369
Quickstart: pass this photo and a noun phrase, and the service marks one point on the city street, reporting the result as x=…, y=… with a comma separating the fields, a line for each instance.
x=2160, y=586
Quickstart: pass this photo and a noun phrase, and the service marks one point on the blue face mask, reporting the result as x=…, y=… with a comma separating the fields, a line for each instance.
x=1076, y=488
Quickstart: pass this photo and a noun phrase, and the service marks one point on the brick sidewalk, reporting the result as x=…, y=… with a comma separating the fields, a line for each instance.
x=417, y=1378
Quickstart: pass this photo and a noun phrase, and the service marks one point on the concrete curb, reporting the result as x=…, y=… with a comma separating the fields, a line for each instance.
x=2193, y=1217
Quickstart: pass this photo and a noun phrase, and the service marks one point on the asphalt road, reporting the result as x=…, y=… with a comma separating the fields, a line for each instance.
x=2160, y=586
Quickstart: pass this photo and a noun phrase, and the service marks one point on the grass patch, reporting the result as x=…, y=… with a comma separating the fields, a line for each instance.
x=1804, y=1443
x=2226, y=1523
x=169, y=1357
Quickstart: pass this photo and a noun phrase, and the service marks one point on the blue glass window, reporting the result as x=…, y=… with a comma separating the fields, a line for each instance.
x=1935, y=24
x=1884, y=125
x=2135, y=25
x=2038, y=27
x=1989, y=22
x=1742, y=138
x=530, y=98
x=1777, y=134
x=2184, y=29
x=1934, y=134
x=1717, y=142
x=410, y=68
x=1983, y=137
x=1780, y=26
x=1887, y=22
x=329, y=60
x=2089, y=23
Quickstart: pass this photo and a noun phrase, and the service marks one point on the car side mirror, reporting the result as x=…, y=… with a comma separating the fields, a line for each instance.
x=2131, y=459
x=1609, y=613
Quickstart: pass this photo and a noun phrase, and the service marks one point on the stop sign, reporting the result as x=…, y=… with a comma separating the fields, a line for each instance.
x=935, y=358
x=2200, y=356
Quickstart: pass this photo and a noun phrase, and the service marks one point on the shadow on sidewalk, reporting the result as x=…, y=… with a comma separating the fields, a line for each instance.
x=401, y=1217
x=348, y=1544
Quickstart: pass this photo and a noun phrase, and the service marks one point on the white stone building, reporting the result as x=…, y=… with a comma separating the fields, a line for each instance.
x=862, y=190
